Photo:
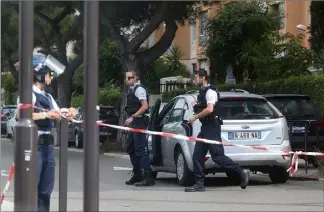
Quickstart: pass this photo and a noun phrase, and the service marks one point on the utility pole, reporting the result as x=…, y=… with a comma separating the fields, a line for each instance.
x=25, y=192
x=91, y=131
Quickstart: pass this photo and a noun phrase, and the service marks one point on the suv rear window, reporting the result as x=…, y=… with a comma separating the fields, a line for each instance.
x=294, y=106
x=246, y=108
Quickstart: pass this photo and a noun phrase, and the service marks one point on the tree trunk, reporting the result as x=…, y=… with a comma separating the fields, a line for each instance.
x=238, y=72
x=64, y=91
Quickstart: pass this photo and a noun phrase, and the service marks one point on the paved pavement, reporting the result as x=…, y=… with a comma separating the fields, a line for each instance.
x=166, y=195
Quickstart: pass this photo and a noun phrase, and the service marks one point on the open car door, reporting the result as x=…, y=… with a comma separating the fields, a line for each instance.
x=155, y=153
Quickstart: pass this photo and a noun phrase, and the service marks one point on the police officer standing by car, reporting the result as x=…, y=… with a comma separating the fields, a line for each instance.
x=137, y=144
x=45, y=112
x=207, y=111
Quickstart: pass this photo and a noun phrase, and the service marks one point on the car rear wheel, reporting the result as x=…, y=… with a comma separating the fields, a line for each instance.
x=78, y=141
x=278, y=175
x=184, y=176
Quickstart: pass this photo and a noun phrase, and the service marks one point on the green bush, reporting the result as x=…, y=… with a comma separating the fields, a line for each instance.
x=311, y=85
x=108, y=95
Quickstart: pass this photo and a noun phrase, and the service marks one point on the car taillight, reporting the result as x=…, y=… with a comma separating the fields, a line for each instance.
x=320, y=125
x=3, y=117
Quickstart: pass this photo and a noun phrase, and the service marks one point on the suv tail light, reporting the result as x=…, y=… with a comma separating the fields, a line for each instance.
x=320, y=125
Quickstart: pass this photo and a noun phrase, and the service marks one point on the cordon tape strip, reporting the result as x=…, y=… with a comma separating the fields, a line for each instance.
x=292, y=169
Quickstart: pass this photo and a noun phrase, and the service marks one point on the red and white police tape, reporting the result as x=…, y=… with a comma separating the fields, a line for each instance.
x=292, y=169
x=11, y=173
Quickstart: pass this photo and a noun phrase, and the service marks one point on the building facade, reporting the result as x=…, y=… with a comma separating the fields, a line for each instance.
x=191, y=38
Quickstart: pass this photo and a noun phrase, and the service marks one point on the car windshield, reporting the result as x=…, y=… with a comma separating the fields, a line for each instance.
x=246, y=108
x=294, y=106
x=7, y=110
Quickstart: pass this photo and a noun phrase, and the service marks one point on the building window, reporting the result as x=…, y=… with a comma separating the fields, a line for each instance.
x=203, y=64
x=194, y=68
x=279, y=9
x=203, y=17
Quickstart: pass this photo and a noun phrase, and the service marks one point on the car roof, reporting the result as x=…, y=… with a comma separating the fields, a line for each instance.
x=227, y=94
x=285, y=95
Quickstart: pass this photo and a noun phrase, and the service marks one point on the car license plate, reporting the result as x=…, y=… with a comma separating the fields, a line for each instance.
x=103, y=133
x=297, y=129
x=244, y=135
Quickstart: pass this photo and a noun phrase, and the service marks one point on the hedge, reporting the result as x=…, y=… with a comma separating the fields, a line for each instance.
x=312, y=85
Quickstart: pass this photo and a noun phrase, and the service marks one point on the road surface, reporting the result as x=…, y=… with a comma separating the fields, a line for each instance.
x=166, y=195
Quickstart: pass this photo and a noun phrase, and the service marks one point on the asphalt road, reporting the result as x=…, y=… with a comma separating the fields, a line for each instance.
x=166, y=195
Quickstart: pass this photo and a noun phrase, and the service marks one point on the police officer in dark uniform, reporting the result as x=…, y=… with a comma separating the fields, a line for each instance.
x=45, y=112
x=137, y=144
x=207, y=111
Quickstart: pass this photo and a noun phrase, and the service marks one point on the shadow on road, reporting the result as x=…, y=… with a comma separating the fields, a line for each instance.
x=217, y=182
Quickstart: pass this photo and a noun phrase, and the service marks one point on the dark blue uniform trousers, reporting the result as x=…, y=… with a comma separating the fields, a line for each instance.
x=46, y=176
x=137, y=147
x=212, y=131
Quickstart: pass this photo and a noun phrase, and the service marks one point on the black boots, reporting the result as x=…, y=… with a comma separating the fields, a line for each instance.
x=197, y=187
x=245, y=176
x=148, y=179
x=136, y=177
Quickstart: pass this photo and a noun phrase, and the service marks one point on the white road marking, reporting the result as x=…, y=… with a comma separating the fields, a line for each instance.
x=4, y=173
x=117, y=168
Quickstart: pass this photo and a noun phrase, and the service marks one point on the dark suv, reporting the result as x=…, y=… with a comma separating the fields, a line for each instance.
x=108, y=115
x=300, y=110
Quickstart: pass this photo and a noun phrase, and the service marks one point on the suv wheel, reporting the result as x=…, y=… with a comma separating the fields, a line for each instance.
x=78, y=141
x=184, y=176
x=278, y=175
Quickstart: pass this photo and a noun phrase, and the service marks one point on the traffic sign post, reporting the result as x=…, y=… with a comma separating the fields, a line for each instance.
x=25, y=191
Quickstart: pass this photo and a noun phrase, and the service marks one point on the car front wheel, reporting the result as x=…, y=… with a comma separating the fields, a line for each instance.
x=278, y=175
x=184, y=176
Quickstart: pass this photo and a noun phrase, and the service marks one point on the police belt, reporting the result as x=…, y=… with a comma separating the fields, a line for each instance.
x=211, y=118
x=45, y=139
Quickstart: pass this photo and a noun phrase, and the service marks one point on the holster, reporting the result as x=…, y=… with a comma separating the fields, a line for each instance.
x=45, y=139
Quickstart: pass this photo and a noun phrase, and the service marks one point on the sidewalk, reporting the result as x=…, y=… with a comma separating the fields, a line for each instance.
x=312, y=173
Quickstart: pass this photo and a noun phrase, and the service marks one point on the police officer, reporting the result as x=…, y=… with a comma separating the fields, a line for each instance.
x=206, y=111
x=45, y=112
x=137, y=144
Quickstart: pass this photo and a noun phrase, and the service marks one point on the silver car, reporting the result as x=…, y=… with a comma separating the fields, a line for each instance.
x=248, y=119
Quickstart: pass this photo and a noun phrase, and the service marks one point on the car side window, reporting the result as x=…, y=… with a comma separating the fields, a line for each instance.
x=166, y=112
x=177, y=111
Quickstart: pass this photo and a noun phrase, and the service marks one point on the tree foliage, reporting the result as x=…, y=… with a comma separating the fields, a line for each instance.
x=246, y=36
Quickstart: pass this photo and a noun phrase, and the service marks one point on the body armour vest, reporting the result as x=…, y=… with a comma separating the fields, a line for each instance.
x=202, y=103
x=133, y=103
x=43, y=102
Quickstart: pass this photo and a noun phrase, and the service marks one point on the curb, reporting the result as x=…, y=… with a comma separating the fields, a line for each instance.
x=305, y=178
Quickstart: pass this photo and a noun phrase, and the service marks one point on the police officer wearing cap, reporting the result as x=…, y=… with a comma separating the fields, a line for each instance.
x=45, y=112
x=137, y=144
x=207, y=111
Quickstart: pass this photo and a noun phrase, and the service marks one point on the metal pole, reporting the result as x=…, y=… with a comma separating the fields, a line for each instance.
x=63, y=174
x=91, y=131
x=25, y=192
x=306, y=140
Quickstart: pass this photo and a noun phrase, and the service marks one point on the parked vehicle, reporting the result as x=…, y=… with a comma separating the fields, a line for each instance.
x=108, y=115
x=5, y=112
x=11, y=122
x=299, y=110
x=248, y=119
